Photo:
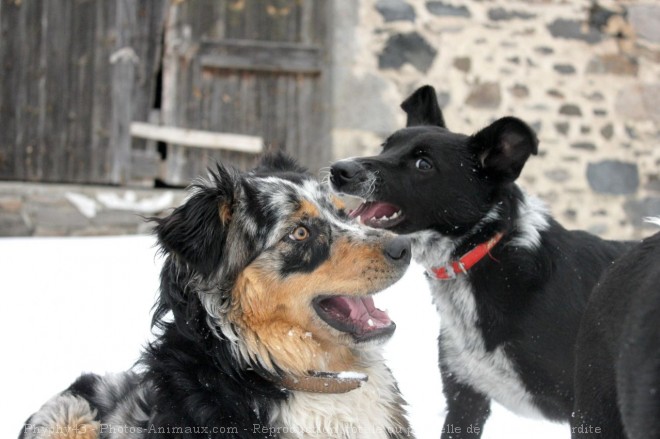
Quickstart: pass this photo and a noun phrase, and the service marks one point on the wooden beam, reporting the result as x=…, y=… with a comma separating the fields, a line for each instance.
x=198, y=138
x=263, y=56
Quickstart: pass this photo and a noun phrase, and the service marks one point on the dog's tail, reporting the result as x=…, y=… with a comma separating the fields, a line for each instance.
x=653, y=220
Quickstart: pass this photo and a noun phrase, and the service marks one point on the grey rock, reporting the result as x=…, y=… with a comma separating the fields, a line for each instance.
x=570, y=110
x=639, y=102
x=407, y=48
x=555, y=93
x=564, y=69
x=58, y=217
x=463, y=63
x=445, y=9
x=544, y=50
x=585, y=129
x=562, y=127
x=600, y=112
x=519, y=91
x=586, y=146
x=644, y=19
x=116, y=218
x=486, y=95
x=631, y=132
x=558, y=175
x=613, y=64
x=595, y=97
x=600, y=16
x=395, y=10
x=13, y=225
x=638, y=210
x=572, y=30
x=613, y=177
x=607, y=131
x=501, y=14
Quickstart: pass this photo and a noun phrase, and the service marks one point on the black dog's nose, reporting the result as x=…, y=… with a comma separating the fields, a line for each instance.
x=398, y=250
x=345, y=171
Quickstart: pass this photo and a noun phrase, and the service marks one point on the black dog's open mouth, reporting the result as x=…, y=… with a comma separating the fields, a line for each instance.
x=355, y=315
x=378, y=214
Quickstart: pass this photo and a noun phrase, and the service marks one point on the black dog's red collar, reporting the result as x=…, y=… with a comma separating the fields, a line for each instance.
x=468, y=260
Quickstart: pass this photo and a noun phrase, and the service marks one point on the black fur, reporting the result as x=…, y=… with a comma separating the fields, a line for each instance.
x=617, y=374
x=530, y=292
x=202, y=377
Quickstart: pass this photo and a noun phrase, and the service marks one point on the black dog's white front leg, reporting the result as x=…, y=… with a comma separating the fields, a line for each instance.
x=467, y=409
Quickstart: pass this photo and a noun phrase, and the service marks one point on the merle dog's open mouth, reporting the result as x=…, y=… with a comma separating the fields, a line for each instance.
x=378, y=214
x=355, y=315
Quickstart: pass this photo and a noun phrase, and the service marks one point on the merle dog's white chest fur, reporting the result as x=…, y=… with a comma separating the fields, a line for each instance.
x=364, y=413
x=464, y=350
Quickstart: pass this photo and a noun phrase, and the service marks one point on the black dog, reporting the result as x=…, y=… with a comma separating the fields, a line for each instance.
x=509, y=282
x=617, y=380
x=267, y=325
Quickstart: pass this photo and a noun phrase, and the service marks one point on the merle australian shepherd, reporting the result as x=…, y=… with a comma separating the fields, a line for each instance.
x=509, y=282
x=617, y=381
x=266, y=323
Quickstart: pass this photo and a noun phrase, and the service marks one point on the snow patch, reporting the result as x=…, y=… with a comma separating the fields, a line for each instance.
x=130, y=202
x=85, y=205
x=350, y=375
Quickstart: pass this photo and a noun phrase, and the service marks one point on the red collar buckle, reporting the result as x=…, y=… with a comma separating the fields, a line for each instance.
x=468, y=260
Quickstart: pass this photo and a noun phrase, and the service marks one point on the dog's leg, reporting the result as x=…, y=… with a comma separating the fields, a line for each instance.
x=596, y=414
x=467, y=409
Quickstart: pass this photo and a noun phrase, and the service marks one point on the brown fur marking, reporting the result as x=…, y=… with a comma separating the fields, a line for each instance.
x=277, y=317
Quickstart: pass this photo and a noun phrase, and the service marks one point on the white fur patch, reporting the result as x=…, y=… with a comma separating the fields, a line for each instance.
x=532, y=220
x=368, y=412
x=465, y=354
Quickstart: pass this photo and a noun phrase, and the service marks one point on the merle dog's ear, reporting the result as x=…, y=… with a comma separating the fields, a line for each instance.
x=278, y=162
x=196, y=230
x=503, y=147
x=422, y=108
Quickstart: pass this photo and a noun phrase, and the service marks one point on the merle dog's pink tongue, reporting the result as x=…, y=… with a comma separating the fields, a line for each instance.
x=361, y=311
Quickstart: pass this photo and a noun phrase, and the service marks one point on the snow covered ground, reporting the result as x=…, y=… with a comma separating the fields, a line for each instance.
x=83, y=304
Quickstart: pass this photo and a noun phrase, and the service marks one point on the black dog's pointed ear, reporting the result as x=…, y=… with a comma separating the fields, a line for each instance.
x=196, y=230
x=503, y=147
x=422, y=108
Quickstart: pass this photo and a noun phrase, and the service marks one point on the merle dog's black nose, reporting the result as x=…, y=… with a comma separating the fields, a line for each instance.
x=398, y=250
x=345, y=171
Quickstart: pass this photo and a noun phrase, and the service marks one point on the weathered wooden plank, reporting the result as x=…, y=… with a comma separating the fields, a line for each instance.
x=122, y=64
x=30, y=102
x=266, y=56
x=11, y=72
x=198, y=138
x=72, y=128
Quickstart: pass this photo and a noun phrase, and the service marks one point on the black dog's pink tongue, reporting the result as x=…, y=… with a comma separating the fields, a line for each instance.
x=374, y=210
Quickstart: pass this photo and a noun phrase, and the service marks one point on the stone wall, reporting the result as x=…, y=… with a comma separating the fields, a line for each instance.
x=584, y=75
x=28, y=209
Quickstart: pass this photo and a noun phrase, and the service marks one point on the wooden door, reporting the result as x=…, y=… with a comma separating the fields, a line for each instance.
x=254, y=67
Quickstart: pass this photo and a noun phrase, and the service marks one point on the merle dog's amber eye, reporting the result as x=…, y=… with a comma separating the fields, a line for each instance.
x=299, y=234
x=423, y=164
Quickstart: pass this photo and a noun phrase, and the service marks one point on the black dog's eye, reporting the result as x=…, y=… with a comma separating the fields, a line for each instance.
x=423, y=164
x=299, y=234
